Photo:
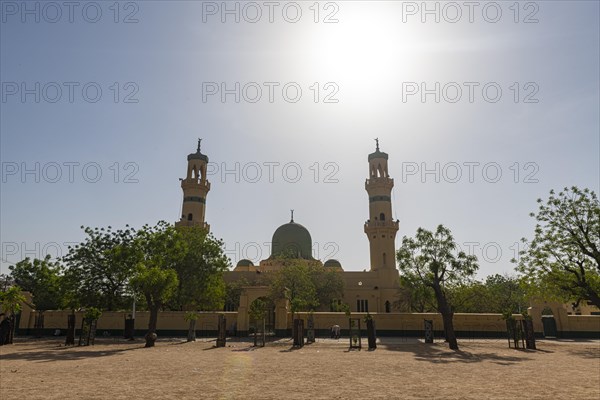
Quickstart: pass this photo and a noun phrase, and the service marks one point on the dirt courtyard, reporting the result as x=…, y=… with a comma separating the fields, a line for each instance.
x=399, y=369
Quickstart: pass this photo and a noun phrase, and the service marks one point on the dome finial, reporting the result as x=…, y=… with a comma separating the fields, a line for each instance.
x=376, y=144
x=198, y=150
x=292, y=215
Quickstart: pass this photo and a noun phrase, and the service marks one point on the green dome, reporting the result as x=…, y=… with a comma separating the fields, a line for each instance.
x=292, y=240
x=331, y=263
x=244, y=263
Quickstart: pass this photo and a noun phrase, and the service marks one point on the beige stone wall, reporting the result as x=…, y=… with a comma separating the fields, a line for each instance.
x=393, y=323
x=583, y=323
x=408, y=322
x=167, y=320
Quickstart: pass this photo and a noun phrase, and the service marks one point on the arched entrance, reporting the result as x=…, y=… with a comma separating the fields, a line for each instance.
x=260, y=308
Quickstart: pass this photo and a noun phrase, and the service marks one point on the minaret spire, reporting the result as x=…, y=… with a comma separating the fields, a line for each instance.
x=380, y=228
x=195, y=187
x=292, y=215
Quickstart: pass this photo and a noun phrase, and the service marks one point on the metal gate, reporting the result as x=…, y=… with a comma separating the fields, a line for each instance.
x=549, y=324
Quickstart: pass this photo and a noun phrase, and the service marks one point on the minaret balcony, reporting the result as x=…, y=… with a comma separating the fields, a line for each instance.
x=379, y=182
x=370, y=225
x=184, y=222
x=195, y=184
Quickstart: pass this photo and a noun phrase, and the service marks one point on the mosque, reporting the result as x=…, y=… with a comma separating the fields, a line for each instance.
x=367, y=291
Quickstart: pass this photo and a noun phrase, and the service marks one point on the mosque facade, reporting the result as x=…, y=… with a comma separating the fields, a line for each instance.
x=372, y=290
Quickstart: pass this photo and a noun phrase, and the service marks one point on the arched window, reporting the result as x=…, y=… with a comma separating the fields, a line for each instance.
x=190, y=216
x=382, y=216
x=384, y=258
x=387, y=306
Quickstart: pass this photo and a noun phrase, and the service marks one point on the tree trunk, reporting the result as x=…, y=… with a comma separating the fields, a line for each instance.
x=447, y=315
x=192, y=331
x=293, y=326
x=11, y=329
x=151, y=335
x=593, y=297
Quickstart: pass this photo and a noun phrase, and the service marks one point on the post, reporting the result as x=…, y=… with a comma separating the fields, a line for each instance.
x=129, y=328
x=310, y=331
x=221, y=332
x=298, y=332
x=428, y=330
x=371, y=334
x=70, y=340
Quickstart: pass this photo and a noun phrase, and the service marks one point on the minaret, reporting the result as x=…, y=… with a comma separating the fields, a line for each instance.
x=381, y=228
x=195, y=187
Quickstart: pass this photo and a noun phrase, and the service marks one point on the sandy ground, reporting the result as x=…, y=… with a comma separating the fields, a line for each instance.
x=399, y=369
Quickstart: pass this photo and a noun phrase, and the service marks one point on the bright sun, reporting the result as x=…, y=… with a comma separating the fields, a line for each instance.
x=365, y=52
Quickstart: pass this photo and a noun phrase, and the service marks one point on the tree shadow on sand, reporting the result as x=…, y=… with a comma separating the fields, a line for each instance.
x=592, y=353
x=65, y=354
x=440, y=354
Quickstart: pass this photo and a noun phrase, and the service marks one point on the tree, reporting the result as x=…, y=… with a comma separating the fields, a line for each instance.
x=563, y=259
x=199, y=266
x=329, y=285
x=430, y=259
x=99, y=268
x=306, y=286
x=470, y=297
x=157, y=284
x=293, y=283
x=413, y=296
x=159, y=248
x=178, y=266
x=233, y=292
x=497, y=294
x=11, y=301
x=6, y=281
x=505, y=294
x=42, y=279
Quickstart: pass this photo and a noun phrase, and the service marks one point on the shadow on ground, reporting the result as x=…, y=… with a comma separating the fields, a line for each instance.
x=591, y=353
x=440, y=354
x=65, y=353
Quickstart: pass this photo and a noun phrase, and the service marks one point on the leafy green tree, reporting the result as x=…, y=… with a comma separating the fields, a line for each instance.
x=159, y=249
x=293, y=283
x=258, y=309
x=413, y=296
x=157, y=284
x=306, y=287
x=497, y=294
x=199, y=266
x=99, y=268
x=11, y=301
x=6, y=281
x=178, y=266
x=42, y=279
x=233, y=292
x=469, y=297
x=563, y=259
x=329, y=285
x=431, y=258
x=505, y=293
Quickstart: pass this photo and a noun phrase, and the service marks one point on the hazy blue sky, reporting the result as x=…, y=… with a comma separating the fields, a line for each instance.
x=370, y=68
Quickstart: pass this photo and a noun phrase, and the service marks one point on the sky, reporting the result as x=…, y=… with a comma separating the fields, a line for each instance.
x=482, y=107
